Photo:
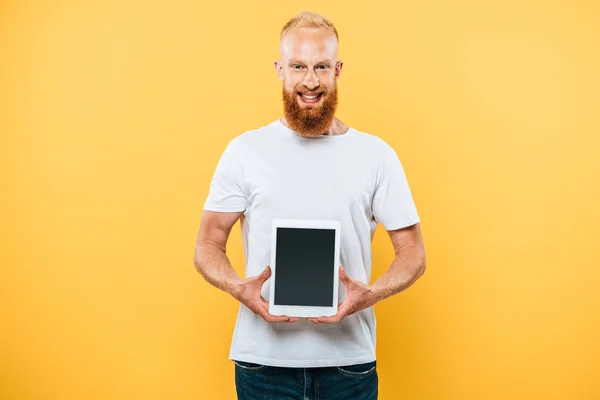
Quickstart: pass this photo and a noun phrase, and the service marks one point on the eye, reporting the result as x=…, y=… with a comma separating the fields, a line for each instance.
x=322, y=66
x=296, y=65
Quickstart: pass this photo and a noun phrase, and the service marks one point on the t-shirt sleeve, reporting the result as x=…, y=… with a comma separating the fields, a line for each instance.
x=393, y=205
x=226, y=192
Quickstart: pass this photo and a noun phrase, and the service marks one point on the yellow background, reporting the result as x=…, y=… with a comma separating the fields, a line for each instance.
x=112, y=118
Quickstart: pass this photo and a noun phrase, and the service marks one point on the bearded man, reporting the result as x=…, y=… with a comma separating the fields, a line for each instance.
x=308, y=165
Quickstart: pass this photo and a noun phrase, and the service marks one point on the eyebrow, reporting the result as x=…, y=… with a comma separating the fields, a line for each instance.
x=324, y=62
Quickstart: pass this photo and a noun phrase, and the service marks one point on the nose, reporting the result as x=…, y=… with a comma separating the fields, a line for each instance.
x=311, y=80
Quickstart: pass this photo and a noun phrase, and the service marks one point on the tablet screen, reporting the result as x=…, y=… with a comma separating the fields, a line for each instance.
x=304, y=263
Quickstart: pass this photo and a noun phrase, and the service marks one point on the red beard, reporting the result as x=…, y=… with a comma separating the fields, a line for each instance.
x=310, y=120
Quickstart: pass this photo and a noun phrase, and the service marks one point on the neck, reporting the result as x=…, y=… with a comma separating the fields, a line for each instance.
x=337, y=127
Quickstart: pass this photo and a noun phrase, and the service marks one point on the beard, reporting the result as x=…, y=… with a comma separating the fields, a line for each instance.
x=310, y=119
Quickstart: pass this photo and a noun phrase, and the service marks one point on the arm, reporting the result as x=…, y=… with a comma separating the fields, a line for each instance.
x=408, y=265
x=212, y=262
x=210, y=257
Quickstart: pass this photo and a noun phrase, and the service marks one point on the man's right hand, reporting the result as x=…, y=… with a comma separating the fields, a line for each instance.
x=248, y=291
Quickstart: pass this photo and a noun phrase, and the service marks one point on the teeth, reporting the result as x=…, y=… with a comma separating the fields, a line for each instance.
x=309, y=97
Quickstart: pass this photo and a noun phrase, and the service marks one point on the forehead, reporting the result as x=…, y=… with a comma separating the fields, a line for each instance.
x=309, y=45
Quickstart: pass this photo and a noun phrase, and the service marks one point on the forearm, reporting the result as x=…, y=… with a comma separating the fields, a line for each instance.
x=214, y=265
x=407, y=267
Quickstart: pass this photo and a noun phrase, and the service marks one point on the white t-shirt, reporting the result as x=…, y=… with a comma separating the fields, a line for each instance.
x=273, y=172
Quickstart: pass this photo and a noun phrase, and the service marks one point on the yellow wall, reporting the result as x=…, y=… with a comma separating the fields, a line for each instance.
x=114, y=114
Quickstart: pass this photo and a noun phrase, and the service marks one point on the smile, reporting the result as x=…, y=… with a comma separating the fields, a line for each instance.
x=310, y=99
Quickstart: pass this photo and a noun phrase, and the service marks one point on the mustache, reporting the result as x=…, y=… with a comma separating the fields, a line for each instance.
x=312, y=92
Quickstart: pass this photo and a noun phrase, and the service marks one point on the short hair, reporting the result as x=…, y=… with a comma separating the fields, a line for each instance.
x=309, y=19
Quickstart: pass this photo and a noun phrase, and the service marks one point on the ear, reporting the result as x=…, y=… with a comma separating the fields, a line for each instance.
x=278, y=69
x=338, y=69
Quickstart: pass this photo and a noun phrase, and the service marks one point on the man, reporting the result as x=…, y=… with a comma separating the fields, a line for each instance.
x=308, y=165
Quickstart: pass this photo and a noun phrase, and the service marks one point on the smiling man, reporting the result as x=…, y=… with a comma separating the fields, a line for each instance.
x=308, y=165
x=309, y=72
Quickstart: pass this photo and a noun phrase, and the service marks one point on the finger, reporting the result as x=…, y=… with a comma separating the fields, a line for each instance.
x=277, y=318
x=264, y=307
x=293, y=319
x=343, y=277
x=313, y=320
x=265, y=274
x=334, y=319
x=264, y=313
x=261, y=310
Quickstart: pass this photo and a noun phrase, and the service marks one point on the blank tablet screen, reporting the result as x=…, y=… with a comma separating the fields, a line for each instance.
x=304, y=269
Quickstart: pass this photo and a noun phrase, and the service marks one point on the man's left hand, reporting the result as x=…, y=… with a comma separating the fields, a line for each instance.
x=358, y=297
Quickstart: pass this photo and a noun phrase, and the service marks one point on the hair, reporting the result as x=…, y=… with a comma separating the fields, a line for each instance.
x=309, y=19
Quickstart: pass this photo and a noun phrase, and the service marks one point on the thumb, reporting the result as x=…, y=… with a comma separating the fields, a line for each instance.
x=343, y=277
x=265, y=274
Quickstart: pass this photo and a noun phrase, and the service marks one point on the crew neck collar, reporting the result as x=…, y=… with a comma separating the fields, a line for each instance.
x=290, y=132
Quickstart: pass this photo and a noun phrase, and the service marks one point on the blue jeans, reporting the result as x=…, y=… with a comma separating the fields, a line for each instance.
x=262, y=382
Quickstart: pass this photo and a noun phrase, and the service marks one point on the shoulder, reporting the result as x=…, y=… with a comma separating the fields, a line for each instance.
x=251, y=137
x=370, y=141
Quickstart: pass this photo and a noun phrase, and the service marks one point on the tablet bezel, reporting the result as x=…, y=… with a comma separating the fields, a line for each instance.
x=304, y=311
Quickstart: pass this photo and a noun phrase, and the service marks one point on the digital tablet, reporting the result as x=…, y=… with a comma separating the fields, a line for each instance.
x=305, y=261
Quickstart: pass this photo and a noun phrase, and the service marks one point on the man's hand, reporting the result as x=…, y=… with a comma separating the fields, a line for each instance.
x=358, y=297
x=248, y=291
